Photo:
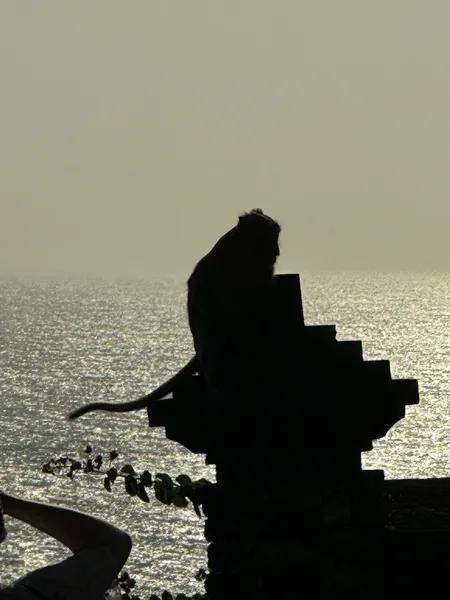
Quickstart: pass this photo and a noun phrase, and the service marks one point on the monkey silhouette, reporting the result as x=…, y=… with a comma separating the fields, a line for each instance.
x=225, y=305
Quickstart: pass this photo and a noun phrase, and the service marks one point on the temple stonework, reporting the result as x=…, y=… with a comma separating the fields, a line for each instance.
x=293, y=514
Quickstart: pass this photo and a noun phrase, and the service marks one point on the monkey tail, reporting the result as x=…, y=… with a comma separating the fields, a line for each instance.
x=189, y=369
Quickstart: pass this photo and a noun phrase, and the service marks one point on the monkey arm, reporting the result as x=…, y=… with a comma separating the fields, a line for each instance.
x=189, y=369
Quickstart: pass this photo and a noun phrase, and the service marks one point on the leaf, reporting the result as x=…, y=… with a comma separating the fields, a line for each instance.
x=201, y=575
x=88, y=449
x=188, y=492
x=184, y=480
x=107, y=484
x=128, y=469
x=142, y=494
x=47, y=468
x=131, y=485
x=89, y=466
x=178, y=497
x=112, y=474
x=201, y=482
x=76, y=466
x=163, y=493
x=164, y=477
x=98, y=460
x=146, y=478
x=113, y=455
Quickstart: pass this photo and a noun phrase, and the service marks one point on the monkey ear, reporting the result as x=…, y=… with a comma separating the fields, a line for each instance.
x=255, y=211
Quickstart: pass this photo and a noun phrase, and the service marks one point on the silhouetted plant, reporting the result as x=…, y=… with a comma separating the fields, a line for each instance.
x=125, y=584
x=179, y=491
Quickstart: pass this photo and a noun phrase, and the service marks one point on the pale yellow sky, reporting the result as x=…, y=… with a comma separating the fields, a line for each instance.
x=133, y=133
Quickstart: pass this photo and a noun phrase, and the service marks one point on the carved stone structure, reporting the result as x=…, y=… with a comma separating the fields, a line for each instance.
x=292, y=514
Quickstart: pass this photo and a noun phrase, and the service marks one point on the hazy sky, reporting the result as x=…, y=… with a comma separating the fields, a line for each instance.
x=133, y=133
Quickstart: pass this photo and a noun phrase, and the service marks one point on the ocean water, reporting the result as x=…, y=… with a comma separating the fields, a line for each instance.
x=65, y=343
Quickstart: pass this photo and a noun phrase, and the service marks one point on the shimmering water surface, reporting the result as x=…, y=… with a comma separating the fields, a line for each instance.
x=66, y=343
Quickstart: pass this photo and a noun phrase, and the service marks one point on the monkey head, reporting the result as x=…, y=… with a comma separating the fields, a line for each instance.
x=242, y=261
x=256, y=236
